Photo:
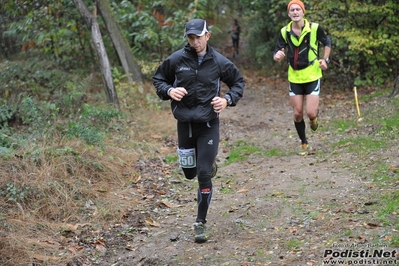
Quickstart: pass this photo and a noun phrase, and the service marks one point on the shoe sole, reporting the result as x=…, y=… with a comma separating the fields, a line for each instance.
x=303, y=153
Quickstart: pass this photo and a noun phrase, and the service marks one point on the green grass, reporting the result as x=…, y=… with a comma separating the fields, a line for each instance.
x=348, y=233
x=171, y=158
x=389, y=204
x=342, y=125
x=389, y=128
x=240, y=151
x=226, y=190
x=361, y=144
x=293, y=244
x=374, y=95
x=274, y=152
x=394, y=242
x=381, y=176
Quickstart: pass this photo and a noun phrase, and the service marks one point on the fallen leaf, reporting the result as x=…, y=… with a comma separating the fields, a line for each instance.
x=148, y=197
x=388, y=237
x=75, y=248
x=169, y=205
x=100, y=245
x=233, y=209
x=129, y=247
x=151, y=222
x=371, y=225
x=49, y=242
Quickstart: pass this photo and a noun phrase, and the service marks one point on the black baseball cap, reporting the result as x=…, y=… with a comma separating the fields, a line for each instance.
x=196, y=26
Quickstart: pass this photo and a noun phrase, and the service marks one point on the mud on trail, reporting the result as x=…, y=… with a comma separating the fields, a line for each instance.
x=273, y=208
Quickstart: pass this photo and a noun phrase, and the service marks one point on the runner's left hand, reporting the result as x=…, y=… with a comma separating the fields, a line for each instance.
x=219, y=104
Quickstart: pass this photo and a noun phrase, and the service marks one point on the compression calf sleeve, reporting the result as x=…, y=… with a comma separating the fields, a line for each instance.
x=204, y=200
x=300, y=129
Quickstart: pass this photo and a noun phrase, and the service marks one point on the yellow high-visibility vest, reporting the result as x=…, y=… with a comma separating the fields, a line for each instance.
x=312, y=71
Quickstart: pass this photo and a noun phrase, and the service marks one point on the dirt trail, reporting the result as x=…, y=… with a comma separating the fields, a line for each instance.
x=267, y=210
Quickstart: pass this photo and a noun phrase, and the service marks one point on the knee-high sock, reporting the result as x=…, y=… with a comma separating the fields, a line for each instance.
x=204, y=200
x=300, y=129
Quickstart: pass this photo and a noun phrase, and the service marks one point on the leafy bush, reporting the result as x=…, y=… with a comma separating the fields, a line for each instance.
x=93, y=124
x=16, y=193
x=32, y=77
x=99, y=116
x=362, y=34
x=5, y=152
x=91, y=136
x=6, y=114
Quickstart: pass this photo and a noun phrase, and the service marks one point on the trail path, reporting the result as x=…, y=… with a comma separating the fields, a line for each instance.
x=267, y=210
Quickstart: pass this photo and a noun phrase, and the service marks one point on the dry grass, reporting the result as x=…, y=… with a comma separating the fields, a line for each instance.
x=62, y=185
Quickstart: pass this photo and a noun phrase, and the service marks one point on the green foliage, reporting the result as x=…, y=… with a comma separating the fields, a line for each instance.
x=55, y=28
x=38, y=94
x=16, y=193
x=92, y=124
x=156, y=28
x=90, y=135
x=34, y=76
x=38, y=115
x=99, y=116
x=10, y=139
x=5, y=153
x=363, y=34
x=265, y=19
x=71, y=98
x=117, y=75
x=6, y=113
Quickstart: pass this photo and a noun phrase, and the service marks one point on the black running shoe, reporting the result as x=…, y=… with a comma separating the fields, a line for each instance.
x=200, y=232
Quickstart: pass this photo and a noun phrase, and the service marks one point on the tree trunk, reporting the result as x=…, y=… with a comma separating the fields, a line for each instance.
x=395, y=90
x=102, y=56
x=120, y=43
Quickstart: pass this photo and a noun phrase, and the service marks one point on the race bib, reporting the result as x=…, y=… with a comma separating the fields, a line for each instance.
x=187, y=158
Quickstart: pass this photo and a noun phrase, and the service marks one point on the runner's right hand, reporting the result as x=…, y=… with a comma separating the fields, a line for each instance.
x=177, y=93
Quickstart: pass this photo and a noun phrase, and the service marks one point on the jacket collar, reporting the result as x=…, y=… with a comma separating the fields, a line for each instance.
x=305, y=30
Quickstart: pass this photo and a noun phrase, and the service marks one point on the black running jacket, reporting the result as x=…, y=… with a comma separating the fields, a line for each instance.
x=202, y=82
